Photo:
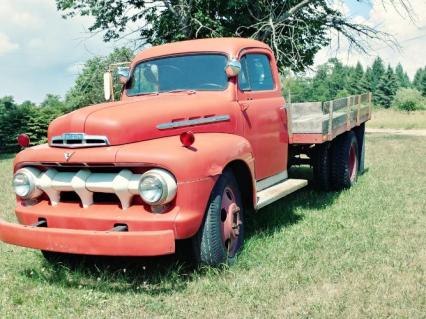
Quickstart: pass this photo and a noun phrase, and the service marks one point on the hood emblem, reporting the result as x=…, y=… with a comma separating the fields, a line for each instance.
x=67, y=155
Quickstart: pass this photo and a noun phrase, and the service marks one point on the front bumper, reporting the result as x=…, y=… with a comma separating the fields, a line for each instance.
x=88, y=242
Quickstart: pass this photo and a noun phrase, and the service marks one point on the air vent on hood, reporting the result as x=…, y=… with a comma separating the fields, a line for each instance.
x=76, y=140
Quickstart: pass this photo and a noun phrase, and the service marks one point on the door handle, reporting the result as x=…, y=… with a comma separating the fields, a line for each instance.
x=244, y=106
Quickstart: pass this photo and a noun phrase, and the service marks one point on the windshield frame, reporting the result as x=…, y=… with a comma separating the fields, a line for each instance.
x=133, y=68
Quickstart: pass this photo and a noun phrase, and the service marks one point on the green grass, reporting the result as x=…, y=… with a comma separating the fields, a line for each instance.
x=358, y=253
x=390, y=118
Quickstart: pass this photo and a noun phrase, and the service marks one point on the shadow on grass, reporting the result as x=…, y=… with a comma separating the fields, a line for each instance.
x=157, y=275
x=153, y=275
x=284, y=213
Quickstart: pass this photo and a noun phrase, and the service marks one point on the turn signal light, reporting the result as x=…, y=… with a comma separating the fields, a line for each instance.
x=23, y=140
x=187, y=138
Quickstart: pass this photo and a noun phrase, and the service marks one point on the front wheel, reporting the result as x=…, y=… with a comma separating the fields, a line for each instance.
x=221, y=235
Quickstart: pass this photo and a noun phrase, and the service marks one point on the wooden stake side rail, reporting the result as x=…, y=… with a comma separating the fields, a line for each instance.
x=318, y=122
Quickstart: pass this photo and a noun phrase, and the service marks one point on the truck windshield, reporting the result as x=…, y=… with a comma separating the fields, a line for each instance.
x=202, y=72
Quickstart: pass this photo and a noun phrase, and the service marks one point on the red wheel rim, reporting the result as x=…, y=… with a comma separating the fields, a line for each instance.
x=230, y=221
x=353, y=163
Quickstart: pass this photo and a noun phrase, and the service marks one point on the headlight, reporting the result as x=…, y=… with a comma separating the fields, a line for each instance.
x=157, y=187
x=24, y=183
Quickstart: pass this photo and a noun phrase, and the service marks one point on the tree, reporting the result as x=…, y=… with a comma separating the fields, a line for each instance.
x=418, y=79
x=377, y=72
x=423, y=84
x=355, y=83
x=53, y=101
x=402, y=77
x=386, y=89
x=320, y=83
x=88, y=88
x=295, y=29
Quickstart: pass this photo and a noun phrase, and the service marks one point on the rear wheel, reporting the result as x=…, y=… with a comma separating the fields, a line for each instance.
x=344, y=165
x=221, y=235
x=321, y=163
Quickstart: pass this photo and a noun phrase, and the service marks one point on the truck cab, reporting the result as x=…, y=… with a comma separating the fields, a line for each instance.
x=200, y=138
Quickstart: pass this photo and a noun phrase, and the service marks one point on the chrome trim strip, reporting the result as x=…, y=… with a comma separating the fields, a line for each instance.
x=203, y=120
x=270, y=181
x=78, y=136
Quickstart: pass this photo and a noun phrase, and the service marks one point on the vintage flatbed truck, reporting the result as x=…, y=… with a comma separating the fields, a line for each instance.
x=201, y=137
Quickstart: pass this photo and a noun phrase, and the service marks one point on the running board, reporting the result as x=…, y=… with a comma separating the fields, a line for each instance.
x=278, y=191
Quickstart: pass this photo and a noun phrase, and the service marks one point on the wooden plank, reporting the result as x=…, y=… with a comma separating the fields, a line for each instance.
x=276, y=192
x=316, y=120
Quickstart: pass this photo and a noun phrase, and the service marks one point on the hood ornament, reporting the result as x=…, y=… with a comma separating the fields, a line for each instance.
x=67, y=155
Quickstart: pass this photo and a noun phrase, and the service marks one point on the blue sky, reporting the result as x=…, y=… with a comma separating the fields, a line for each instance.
x=41, y=53
x=362, y=8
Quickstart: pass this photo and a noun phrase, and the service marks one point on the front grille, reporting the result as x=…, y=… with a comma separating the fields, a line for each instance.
x=89, y=187
x=98, y=198
x=77, y=140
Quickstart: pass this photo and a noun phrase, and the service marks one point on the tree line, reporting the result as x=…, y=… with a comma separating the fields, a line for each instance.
x=390, y=87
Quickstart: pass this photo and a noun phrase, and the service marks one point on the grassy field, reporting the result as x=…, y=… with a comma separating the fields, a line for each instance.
x=390, y=118
x=358, y=253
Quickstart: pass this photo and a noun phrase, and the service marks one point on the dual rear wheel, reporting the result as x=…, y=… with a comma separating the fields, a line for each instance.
x=336, y=165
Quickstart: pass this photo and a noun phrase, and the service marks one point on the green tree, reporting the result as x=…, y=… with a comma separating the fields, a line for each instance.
x=366, y=81
x=423, y=84
x=377, y=72
x=88, y=88
x=418, y=79
x=402, y=77
x=338, y=77
x=296, y=30
x=386, y=89
x=53, y=101
x=355, y=83
x=320, y=83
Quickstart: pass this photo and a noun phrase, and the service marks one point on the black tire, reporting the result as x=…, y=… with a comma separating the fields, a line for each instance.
x=360, y=136
x=342, y=176
x=208, y=245
x=321, y=163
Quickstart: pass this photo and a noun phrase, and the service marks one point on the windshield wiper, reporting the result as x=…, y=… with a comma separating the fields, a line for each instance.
x=181, y=90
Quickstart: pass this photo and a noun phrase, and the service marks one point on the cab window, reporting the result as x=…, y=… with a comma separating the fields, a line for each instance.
x=256, y=73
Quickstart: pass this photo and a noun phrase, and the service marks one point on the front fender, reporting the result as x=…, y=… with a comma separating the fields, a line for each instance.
x=196, y=169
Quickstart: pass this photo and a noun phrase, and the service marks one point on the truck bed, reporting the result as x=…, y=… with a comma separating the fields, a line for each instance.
x=317, y=122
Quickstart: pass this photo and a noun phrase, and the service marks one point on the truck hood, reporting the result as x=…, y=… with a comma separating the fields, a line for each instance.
x=138, y=120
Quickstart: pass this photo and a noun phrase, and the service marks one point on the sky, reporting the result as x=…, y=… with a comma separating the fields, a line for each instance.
x=41, y=53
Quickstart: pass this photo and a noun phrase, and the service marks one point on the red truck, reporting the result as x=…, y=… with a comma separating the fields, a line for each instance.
x=200, y=138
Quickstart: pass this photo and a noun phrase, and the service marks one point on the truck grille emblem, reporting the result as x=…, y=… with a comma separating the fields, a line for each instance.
x=67, y=156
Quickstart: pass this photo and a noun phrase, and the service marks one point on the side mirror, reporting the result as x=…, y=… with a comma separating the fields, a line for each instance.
x=123, y=74
x=233, y=68
x=108, y=85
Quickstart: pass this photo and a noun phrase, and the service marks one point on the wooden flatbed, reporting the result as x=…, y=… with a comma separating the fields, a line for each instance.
x=318, y=122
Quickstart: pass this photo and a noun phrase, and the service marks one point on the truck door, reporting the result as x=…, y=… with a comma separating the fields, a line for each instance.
x=265, y=119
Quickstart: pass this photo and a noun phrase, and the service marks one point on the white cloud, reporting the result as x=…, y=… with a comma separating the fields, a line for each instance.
x=6, y=45
x=48, y=46
x=411, y=36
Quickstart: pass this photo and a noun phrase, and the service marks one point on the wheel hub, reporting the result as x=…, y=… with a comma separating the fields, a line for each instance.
x=353, y=163
x=230, y=220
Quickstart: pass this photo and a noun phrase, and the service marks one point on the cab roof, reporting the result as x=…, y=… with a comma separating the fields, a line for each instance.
x=231, y=46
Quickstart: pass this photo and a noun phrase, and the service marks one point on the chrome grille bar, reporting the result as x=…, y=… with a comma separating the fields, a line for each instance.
x=124, y=184
x=78, y=140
